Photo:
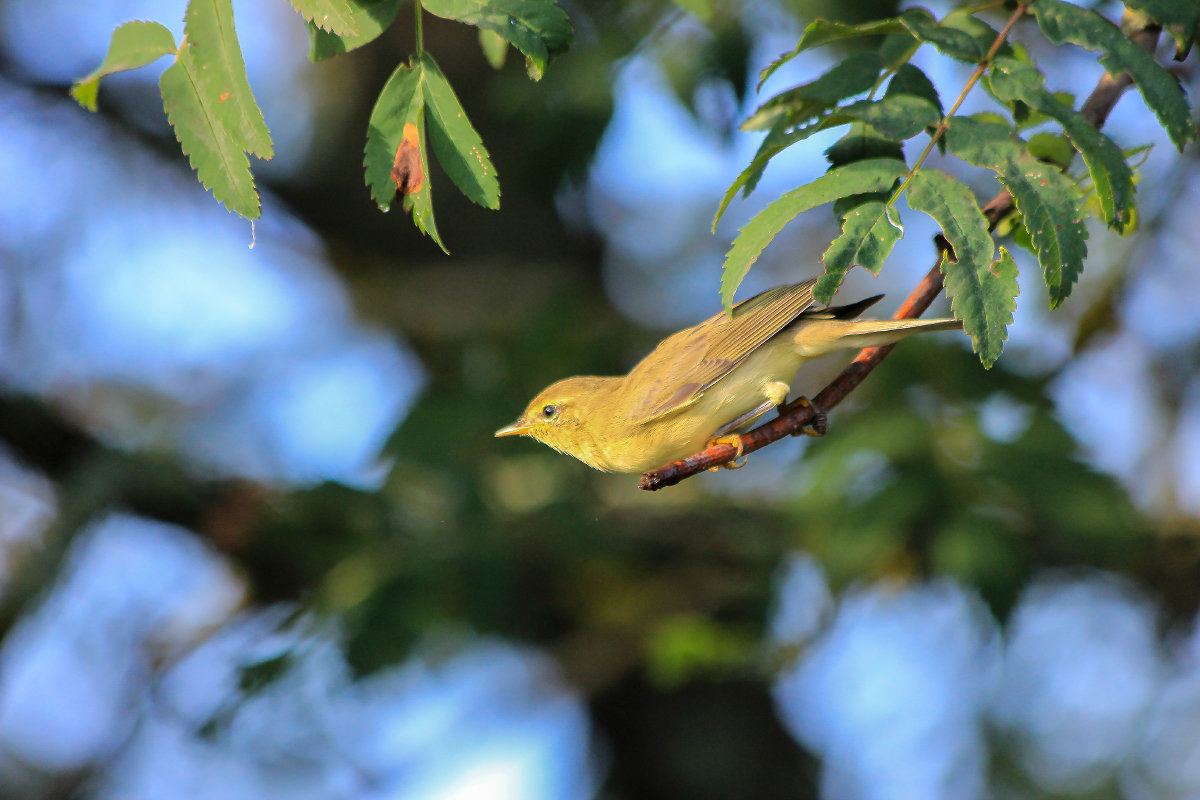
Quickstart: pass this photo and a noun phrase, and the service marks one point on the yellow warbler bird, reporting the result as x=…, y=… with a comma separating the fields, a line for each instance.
x=702, y=383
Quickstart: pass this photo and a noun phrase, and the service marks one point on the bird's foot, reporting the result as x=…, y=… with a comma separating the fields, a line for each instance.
x=735, y=441
x=819, y=424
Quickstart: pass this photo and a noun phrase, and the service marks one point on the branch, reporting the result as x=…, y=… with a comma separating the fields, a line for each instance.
x=796, y=416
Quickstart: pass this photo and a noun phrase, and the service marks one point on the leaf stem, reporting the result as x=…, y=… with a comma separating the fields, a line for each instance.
x=970, y=84
x=420, y=32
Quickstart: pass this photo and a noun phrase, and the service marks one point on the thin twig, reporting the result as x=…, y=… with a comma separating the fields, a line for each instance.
x=794, y=419
x=940, y=131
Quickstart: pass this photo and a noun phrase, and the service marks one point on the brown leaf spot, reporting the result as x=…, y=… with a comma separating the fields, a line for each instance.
x=406, y=170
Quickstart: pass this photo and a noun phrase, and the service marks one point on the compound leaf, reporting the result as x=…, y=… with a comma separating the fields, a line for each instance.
x=1063, y=22
x=1048, y=200
x=860, y=177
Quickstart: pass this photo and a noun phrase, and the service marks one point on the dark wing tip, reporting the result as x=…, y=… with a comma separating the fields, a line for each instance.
x=854, y=309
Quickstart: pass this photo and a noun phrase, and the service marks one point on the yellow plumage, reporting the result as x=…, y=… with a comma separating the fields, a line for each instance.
x=704, y=381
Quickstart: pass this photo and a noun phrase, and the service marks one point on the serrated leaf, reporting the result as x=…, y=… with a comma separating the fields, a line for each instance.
x=1048, y=200
x=494, y=47
x=213, y=44
x=823, y=31
x=862, y=143
x=869, y=232
x=402, y=102
x=896, y=116
x=1012, y=80
x=778, y=139
x=133, y=44
x=335, y=16
x=980, y=296
x=857, y=178
x=370, y=19
x=1001, y=295
x=1063, y=22
x=950, y=41
x=805, y=102
x=455, y=142
x=215, y=153
x=1179, y=18
x=910, y=80
x=420, y=205
x=538, y=28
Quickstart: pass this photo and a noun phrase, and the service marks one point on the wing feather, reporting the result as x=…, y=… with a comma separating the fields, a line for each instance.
x=685, y=364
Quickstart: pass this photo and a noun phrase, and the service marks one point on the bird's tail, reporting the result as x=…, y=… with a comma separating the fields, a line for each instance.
x=825, y=335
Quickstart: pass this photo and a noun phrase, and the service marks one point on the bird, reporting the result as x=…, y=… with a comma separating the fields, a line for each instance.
x=705, y=383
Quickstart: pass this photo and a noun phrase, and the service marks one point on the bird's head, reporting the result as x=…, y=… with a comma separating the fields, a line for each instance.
x=564, y=414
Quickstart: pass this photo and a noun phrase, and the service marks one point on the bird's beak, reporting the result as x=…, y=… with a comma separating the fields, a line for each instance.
x=516, y=429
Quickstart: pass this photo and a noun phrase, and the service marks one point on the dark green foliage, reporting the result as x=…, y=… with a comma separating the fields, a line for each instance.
x=1050, y=201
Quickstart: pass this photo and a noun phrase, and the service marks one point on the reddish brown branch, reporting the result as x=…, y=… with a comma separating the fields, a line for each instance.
x=798, y=416
x=794, y=417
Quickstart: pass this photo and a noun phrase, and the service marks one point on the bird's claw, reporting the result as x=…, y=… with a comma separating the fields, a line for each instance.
x=734, y=440
x=819, y=425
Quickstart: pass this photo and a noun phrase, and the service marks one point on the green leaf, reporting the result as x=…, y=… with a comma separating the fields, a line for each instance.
x=134, y=44
x=217, y=155
x=221, y=79
x=950, y=41
x=538, y=28
x=862, y=143
x=778, y=139
x=1053, y=148
x=981, y=292
x=823, y=31
x=805, y=102
x=1063, y=22
x=370, y=19
x=335, y=16
x=910, y=80
x=869, y=232
x=398, y=103
x=896, y=116
x=1179, y=18
x=494, y=47
x=457, y=145
x=1014, y=80
x=402, y=102
x=1048, y=200
x=420, y=205
x=984, y=35
x=857, y=178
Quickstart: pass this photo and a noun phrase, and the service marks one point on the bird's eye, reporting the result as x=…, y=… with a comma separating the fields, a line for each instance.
x=549, y=411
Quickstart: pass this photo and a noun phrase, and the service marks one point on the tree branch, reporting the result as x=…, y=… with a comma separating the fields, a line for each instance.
x=797, y=416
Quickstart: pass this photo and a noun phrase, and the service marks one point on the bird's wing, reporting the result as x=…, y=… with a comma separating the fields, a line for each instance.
x=686, y=363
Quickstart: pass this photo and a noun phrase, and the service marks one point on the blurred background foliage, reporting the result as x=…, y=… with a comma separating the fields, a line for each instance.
x=258, y=541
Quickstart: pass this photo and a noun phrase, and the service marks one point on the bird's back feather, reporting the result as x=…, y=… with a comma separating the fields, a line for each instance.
x=686, y=363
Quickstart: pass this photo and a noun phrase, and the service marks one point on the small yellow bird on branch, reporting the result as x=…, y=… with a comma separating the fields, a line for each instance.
x=704, y=383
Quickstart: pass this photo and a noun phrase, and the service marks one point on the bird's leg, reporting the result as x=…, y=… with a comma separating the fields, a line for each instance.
x=730, y=439
x=819, y=424
x=776, y=393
